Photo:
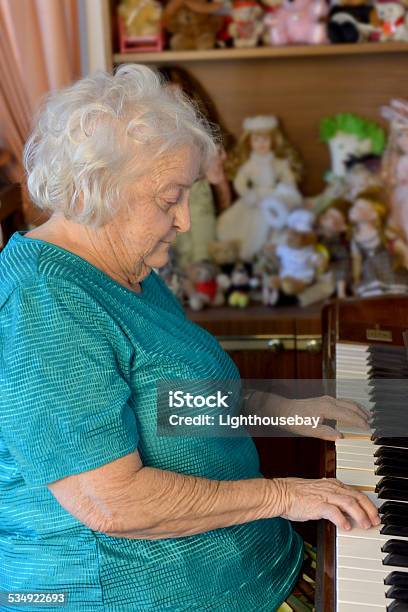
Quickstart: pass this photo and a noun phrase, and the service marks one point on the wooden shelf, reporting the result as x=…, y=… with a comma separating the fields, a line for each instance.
x=296, y=51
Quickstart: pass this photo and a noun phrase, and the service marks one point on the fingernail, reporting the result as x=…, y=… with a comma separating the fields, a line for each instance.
x=348, y=527
x=366, y=524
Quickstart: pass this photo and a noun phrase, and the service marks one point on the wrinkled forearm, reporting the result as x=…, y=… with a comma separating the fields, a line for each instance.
x=162, y=504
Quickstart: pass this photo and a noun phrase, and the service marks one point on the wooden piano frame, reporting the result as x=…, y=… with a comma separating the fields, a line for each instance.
x=377, y=320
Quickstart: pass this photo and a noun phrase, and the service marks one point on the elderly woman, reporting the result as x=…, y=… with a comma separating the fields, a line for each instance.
x=96, y=506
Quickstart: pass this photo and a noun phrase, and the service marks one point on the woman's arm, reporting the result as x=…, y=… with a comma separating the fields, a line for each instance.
x=125, y=499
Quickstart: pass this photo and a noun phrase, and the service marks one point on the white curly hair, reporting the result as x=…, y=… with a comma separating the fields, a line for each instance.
x=101, y=133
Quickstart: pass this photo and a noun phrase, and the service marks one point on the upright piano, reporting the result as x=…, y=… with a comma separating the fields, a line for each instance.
x=364, y=344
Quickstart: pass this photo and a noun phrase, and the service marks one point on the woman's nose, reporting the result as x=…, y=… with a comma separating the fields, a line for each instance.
x=182, y=219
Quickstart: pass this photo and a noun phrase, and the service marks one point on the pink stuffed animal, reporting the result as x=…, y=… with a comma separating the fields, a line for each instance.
x=298, y=21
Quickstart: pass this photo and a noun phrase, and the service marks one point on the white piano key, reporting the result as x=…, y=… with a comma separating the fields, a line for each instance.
x=358, y=478
x=360, y=587
x=365, y=596
x=359, y=573
x=364, y=461
x=350, y=443
x=373, y=533
x=347, y=607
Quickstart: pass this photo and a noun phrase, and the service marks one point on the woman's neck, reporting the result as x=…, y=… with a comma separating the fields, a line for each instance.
x=75, y=237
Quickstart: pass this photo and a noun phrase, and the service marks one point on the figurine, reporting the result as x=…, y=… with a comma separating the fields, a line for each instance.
x=262, y=173
x=391, y=20
x=140, y=25
x=201, y=286
x=350, y=21
x=173, y=276
x=349, y=137
x=332, y=231
x=240, y=287
x=372, y=266
x=298, y=22
x=395, y=167
x=224, y=254
x=246, y=27
x=192, y=23
x=299, y=259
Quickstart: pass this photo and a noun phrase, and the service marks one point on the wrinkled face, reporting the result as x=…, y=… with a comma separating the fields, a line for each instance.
x=155, y=208
x=260, y=143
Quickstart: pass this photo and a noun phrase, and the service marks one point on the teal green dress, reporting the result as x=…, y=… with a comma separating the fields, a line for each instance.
x=80, y=357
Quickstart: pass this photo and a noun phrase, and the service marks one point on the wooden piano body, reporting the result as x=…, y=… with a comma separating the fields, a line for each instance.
x=372, y=321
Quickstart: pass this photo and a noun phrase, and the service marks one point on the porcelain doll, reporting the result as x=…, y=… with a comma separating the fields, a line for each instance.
x=348, y=137
x=373, y=270
x=262, y=173
x=332, y=228
x=395, y=166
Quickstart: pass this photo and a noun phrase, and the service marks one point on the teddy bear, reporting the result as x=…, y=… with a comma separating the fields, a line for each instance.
x=350, y=21
x=299, y=258
x=297, y=22
x=201, y=286
x=246, y=27
x=390, y=17
x=191, y=24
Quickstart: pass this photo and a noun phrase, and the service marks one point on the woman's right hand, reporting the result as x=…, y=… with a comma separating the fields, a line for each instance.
x=328, y=498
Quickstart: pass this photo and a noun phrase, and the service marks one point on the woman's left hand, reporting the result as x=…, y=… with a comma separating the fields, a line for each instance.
x=346, y=412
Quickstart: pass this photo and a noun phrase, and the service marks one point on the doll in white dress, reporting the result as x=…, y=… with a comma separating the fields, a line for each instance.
x=263, y=176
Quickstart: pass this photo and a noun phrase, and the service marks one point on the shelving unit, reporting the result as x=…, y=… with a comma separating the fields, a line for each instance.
x=299, y=84
x=295, y=51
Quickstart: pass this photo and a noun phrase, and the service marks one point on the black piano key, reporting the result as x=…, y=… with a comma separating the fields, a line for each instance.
x=391, y=493
x=398, y=606
x=384, y=441
x=389, y=518
x=395, y=560
x=394, y=508
x=398, y=462
x=395, y=546
x=393, y=482
x=388, y=469
x=397, y=578
x=395, y=530
x=397, y=592
x=393, y=453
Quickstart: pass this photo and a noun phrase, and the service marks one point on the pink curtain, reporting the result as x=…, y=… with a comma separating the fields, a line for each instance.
x=39, y=52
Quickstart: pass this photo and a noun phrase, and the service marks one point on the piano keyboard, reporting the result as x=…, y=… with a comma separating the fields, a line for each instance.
x=372, y=564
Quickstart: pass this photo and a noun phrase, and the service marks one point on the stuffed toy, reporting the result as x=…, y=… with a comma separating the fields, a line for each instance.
x=298, y=22
x=299, y=258
x=350, y=21
x=263, y=173
x=349, y=138
x=246, y=26
x=391, y=21
x=224, y=254
x=141, y=17
x=332, y=229
x=191, y=24
x=240, y=285
x=201, y=286
x=373, y=269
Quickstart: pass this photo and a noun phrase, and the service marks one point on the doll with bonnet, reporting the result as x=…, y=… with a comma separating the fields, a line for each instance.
x=266, y=171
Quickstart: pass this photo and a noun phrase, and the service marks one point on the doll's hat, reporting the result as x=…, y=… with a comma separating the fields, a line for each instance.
x=301, y=220
x=261, y=123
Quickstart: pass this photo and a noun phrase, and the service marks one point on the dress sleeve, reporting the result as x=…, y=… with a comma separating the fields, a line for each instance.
x=63, y=385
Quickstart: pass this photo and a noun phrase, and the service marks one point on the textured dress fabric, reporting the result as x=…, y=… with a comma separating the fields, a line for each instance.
x=80, y=357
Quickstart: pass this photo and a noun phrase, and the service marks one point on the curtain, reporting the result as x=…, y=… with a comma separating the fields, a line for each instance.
x=39, y=52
